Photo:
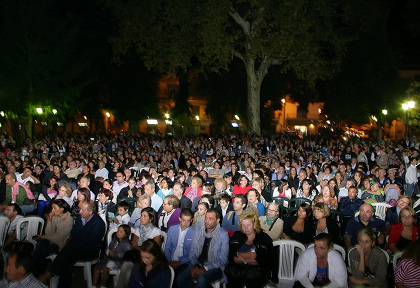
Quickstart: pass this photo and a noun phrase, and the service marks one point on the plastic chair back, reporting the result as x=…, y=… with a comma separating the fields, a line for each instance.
x=288, y=255
x=380, y=210
x=34, y=226
x=4, y=225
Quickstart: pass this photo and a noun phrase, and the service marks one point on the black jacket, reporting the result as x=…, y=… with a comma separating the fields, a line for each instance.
x=264, y=249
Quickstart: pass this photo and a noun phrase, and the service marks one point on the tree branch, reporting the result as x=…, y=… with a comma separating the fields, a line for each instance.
x=263, y=69
x=238, y=55
x=246, y=27
x=258, y=20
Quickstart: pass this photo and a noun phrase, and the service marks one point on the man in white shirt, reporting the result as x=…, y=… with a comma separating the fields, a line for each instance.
x=27, y=176
x=119, y=183
x=156, y=201
x=84, y=183
x=102, y=173
x=14, y=213
x=411, y=176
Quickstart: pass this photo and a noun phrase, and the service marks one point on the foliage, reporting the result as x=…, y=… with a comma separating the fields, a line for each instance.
x=306, y=37
x=39, y=65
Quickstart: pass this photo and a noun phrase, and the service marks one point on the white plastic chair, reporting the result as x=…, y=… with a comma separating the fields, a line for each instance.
x=395, y=259
x=218, y=284
x=354, y=247
x=35, y=225
x=172, y=276
x=4, y=225
x=380, y=209
x=164, y=237
x=336, y=247
x=287, y=259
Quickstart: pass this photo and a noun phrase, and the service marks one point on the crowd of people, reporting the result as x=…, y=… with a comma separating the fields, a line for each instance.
x=211, y=209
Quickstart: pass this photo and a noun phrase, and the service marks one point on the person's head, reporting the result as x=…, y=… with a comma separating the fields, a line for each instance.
x=64, y=190
x=12, y=210
x=147, y=216
x=151, y=254
x=87, y=209
x=170, y=203
x=224, y=201
x=272, y=210
x=352, y=192
x=105, y=195
x=252, y=195
x=302, y=174
x=321, y=210
x=59, y=207
x=328, y=192
x=10, y=179
x=132, y=182
x=374, y=186
x=84, y=182
x=19, y=265
x=122, y=208
x=323, y=244
x=350, y=182
x=83, y=194
x=149, y=188
x=185, y=218
x=366, y=212
x=120, y=177
x=304, y=211
x=202, y=208
x=143, y=201
x=220, y=184
x=107, y=184
x=404, y=201
x=208, y=199
x=249, y=223
x=408, y=216
x=196, y=182
x=178, y=189
x=208, y=189
x=366, y=239
x=306, y=184
x=239, y=203
x=124, y=231
x=212, y=218
x=258, y=183
x=413, y=252
x=283, y=185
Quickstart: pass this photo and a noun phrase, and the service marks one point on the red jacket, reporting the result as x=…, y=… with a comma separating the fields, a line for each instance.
x=238, y=189
x=396, y=232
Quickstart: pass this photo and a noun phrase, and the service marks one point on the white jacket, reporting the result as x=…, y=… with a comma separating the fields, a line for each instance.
x=306, y=269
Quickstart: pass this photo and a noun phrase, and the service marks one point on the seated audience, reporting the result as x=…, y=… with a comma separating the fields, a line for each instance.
x=170, y=213
x=393, y=213
x=321, y=266
x=407, y=273
x=404, y=232
x=323, y=223
x=300, y=227
x=271, y=223
x=251, y=251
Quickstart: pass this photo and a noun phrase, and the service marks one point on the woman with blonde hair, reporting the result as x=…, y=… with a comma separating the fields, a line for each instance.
x=251, y=261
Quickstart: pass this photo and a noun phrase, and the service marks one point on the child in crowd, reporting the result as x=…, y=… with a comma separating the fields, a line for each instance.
x=142, y=202
x=199, y=215
x=224, y=202
x=123, y=217
x=113, y=259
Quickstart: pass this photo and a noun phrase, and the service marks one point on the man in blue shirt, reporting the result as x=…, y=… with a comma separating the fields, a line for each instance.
x=366, y=219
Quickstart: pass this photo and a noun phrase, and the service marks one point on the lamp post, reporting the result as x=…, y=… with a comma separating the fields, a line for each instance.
x=284, y=113
x=407, y=106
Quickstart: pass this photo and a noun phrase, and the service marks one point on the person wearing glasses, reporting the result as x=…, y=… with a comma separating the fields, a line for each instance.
x=170, y=213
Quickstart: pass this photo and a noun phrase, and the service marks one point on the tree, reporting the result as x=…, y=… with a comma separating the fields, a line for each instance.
x=39, y=66
x=308, y=37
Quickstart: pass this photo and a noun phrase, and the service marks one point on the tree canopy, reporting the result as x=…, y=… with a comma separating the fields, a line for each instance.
x=307, y=37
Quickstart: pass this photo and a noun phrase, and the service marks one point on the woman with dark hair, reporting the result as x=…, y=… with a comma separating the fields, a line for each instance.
x=48, y=192
x=293, y=179
x=307, y=191
x=323, y=223
x=300, y=227
x=407, y=273
x=282, y=190
x=153, y=270
x=250, y=255
x=147, y=229
x=105, y=204
x=242, y=186
x=57, y=230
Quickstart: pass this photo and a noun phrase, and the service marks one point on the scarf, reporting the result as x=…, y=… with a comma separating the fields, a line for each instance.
x=201, y=234
x=269, y=221
x=15, y=191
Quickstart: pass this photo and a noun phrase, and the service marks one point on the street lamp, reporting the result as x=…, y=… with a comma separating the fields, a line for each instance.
x=39, y=111
x=284, y=113
x=384, y=111
x=407, y=106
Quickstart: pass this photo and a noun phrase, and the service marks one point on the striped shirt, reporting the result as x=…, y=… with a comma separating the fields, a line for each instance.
x=29, y=282
x=408, y=273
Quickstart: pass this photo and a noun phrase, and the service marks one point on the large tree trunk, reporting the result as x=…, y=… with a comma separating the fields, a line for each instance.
x=254, y=88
